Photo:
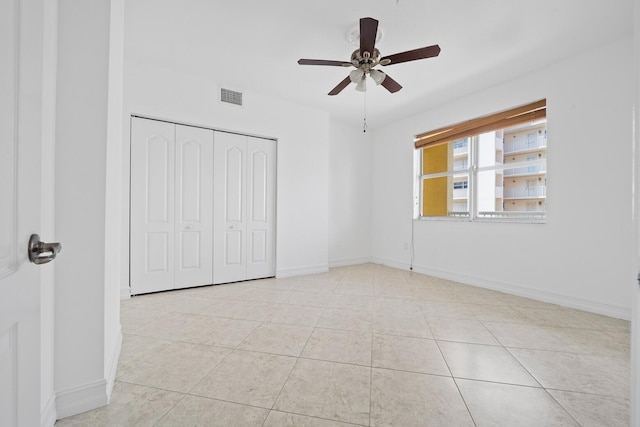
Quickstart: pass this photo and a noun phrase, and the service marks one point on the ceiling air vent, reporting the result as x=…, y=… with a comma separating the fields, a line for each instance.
x=230, y=96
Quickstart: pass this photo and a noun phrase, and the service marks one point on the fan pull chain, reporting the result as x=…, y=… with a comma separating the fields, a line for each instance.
x=364, y=125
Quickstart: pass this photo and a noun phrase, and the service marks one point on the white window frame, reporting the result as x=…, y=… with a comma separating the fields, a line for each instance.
x=472, y=171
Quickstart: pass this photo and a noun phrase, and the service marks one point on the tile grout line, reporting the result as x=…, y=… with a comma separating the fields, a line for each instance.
x=561, y=405
x=456, y=384
x=291, y=371
x=170, y=409
x=371, y=379
x=546, y=389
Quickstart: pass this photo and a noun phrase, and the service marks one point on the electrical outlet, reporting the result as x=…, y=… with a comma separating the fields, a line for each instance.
x=406, y=246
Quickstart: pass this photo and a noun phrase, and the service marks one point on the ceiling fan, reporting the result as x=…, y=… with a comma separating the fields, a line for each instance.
x=368, y=57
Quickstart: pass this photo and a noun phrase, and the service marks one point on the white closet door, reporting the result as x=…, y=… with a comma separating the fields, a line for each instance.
x=229, y=223
x=193, y=206
x=261, y=165
x=152, y=206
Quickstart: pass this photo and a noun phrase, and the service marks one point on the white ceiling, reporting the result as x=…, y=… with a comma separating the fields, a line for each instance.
x=253, y=45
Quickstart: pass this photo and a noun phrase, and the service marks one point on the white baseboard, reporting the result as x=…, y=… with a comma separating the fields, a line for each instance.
x=82, y=398
x=125, y=293
x=550, y=297
x=392, y=264
x=85, y=397
x=48, y=415
x=567, y=301
x=302, y=271
x=347, y=262
x=113, y=366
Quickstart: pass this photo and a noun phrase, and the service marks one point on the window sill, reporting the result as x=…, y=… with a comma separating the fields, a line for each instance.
x=485, y=220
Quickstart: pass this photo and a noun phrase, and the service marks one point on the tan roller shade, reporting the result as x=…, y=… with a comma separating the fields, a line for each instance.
x=515, y=116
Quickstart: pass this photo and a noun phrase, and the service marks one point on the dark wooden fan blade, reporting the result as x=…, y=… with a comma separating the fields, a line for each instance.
x=336, y=90
x=412, y=55
x=390, y=84
x=368, y=31
x=323, y=62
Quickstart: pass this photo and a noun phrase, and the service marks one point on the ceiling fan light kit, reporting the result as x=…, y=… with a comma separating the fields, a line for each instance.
x=356, y=75
x=377, y=76
x=367, y=57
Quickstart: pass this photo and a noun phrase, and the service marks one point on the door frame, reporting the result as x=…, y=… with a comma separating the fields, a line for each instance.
x=635, y=285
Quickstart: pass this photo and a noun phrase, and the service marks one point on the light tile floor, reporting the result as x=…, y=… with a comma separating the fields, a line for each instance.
x=363, y=345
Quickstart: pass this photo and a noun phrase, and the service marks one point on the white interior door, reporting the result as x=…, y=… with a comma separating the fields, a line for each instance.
x=229, y=216
x=171, y=206
x=261, y=166
x=21, y=119
x=152, y=206
x=244, y=208
x=193, y=206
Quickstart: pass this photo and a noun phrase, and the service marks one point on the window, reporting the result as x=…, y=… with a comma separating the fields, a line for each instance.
x=492, y=167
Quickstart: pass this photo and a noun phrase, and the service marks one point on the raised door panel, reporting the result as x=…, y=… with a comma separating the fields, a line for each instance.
x=233, y=248
x=233, y=158
x=8, y=137
x=152, y=205
x=8, y=368
x=261, y=157
x=194, y=206
x=229, y=235
x=8, y=213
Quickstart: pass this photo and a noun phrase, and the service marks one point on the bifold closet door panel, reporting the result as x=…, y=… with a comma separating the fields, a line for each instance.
x=261, y=166
x=229, y=216
x=193, y=206
x=152, y=206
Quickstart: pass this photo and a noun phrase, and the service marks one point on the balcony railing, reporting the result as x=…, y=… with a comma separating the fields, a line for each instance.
x=461, y=150
x=526, y=170
x=524, y=145
x=458, y=213
x=514, y=214
x=460, y=165
x=527, y=192
x=460, y=193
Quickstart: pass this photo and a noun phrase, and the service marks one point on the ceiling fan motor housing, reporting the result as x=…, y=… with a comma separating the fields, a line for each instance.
x=365, y=61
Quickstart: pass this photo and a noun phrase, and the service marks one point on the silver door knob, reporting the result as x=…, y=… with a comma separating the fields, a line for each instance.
x=41, y=252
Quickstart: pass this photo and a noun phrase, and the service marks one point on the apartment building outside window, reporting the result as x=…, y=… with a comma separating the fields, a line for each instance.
x=499, y=174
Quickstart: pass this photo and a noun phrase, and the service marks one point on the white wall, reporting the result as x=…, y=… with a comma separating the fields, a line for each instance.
x=86, y=316
x=302, y=145
x=113, y=193
x=350, y=151
x=581, y=256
